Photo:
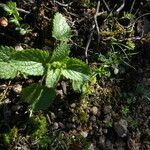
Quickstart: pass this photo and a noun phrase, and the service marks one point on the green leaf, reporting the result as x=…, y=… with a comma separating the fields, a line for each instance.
x=27, y=62
x=9, y=7
x=6, y=53
x=35, y=55
x=61, y=29
x=14, y=20
x=7, y=71
x=28, y=67
x=60, y=52
x=74, y=75
x=39, y=97
x=53, y=77
x=77, y=85
x=76, y=70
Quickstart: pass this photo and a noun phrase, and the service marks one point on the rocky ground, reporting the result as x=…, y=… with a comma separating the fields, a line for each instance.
x=115, y=115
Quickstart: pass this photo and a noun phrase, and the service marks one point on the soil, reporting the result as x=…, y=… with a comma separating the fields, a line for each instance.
x=115, y=116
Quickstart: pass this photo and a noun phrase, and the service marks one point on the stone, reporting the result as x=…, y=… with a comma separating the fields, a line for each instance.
x=70, y=125
x=91, y=147
x=84, y=133
x=93, y=118
x=52, y=115
x=55, y=126
x=17, y=88
x=62, y=126
x=18, y=47
x=109, y=144
x=3, y=86
x=107, y=119
x=94, y=110
x=107, y=109
x=73, y=105
x=121, y=128
x=102, y=142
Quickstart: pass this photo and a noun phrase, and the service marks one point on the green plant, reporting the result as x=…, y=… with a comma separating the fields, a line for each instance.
x=109, y=61
x=37, y=129
x=116, y=59
x=52, y=67
x=81, y=111
x=125, y=110
x=15, y=18
x=117, y=38
x=37, y=126
x=10, y=136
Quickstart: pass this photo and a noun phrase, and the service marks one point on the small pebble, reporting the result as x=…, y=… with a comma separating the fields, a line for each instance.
x=16, y=107
x=121, y=128
x=93, y=118
x=84, y=133
x=73, y=105
x=73, y=119
x=71, y=125
x=107, y=109
x=91, y=147
x=18, y=47
x=3, y=86
x=105, y=131
x=52, y=115
x=107, y=119
x=55, y=125
x=62, y=126
x=17, y=88
x=102, y=141
x=109, y=144
x=94, y=110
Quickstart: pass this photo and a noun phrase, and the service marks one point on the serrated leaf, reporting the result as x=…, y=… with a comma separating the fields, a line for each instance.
x=76, y=70
x=7, y=71
x=61, y=29
x=60, y=52
x=39, y=97
x=35, y=55
x=74, y=75
x=6, y=53
x=28, y=67
x=53, y=77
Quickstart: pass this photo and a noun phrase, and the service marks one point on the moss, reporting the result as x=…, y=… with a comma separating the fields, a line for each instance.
x=37, y=126
x=113, y=31
x=81, y=112
x=10, y=136
x=37, y=129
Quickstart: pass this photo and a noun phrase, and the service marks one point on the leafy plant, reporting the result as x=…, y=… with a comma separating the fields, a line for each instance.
x=110, y=60
x=125, y=110
x=52, y=67
x=15, y=18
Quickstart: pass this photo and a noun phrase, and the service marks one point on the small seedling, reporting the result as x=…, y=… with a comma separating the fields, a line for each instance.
x=15, y=18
